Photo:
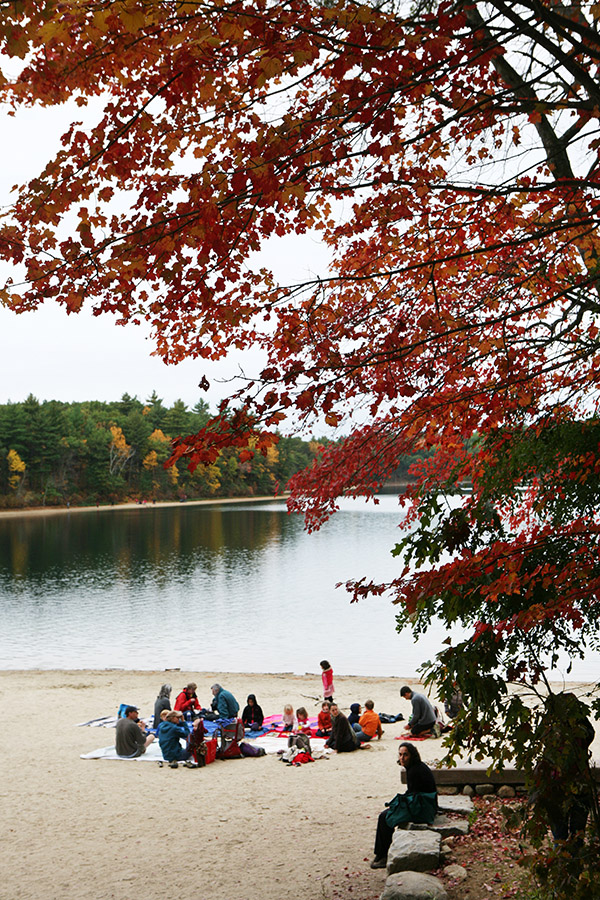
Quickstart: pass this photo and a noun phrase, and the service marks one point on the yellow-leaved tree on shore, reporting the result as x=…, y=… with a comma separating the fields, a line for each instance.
x=16, y=469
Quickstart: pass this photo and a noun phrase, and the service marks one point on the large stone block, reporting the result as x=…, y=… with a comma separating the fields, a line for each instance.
x=416, y=851
x=460, y=804
x=444, y=826
x=413, y=886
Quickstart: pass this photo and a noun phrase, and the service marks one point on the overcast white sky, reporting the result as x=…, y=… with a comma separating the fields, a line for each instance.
x=81, y=357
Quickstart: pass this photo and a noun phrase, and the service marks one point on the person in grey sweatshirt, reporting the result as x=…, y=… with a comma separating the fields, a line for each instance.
x=423, y=716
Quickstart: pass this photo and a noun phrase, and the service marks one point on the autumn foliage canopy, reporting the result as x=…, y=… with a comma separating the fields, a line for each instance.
x=447, y=156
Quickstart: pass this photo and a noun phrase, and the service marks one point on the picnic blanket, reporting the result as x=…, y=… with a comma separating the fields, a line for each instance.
x=271, y=724
x=152, y=754
x=271, y=744
x=111, y=721
x=269, y=738
x=101, y=722
x=274, y=724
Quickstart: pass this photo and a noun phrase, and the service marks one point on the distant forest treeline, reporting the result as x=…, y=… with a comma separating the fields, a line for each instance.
x=54, y=453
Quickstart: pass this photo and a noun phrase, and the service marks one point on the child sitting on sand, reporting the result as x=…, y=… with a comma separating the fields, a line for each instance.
x=324, y=721
x=289, y=719
x=369, y=724
x=252, y=717
x=302, y=717
x=354, y=714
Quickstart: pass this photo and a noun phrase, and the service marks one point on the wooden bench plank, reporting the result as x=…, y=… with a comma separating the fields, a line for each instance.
x=477, y=774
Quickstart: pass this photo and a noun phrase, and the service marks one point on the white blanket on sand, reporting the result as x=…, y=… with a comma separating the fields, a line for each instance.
x=152, y=754
x=271, y=743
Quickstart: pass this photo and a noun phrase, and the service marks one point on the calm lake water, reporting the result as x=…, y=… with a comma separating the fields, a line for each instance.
x=234, y=587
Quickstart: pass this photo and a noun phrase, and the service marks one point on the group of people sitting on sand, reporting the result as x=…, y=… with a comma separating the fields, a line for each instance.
x=133, y=737
x=342, y=733
x=223, y=704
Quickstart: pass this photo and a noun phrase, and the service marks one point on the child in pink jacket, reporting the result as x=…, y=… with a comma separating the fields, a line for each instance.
x=327, y=677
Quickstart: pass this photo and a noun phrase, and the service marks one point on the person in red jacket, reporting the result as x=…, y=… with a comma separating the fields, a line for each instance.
x=324, y=721
x=187, y=700
x=327, y=678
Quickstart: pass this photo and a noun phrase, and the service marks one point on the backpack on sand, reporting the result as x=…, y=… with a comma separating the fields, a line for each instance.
x=229, y=737
x=251, y=750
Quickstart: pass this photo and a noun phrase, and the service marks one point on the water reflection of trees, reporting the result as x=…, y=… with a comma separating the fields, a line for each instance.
x=142, y=544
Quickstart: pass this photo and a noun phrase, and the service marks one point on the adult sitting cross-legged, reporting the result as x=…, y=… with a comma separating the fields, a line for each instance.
x=225, y=703
x=187, y=700
x=131, y=739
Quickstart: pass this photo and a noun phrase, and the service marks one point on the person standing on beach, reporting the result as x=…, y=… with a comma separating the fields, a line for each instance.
x=563, y=789
x=131, y=739
x=423, y=716
x=327, y=679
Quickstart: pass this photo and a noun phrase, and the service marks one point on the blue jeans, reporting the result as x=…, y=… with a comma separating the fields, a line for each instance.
x=363, y=738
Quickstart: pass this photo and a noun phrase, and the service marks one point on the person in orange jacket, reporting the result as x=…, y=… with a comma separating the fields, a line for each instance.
x=369, y=724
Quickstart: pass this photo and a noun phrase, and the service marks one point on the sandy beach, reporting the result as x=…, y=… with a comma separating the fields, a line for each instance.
x=250, y=829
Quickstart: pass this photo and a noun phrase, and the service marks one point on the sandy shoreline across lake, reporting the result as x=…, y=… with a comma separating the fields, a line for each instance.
x=250, y=829
x=37, y=511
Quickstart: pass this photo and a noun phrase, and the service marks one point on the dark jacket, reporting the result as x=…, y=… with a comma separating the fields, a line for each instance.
x=420, y=780
x=354, y=713
x=160, y=704
x=343, y=737
x=253, y=716
x=419, y=803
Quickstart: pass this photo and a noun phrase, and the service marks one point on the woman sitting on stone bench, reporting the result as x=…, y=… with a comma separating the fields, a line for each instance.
x=418, y=804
